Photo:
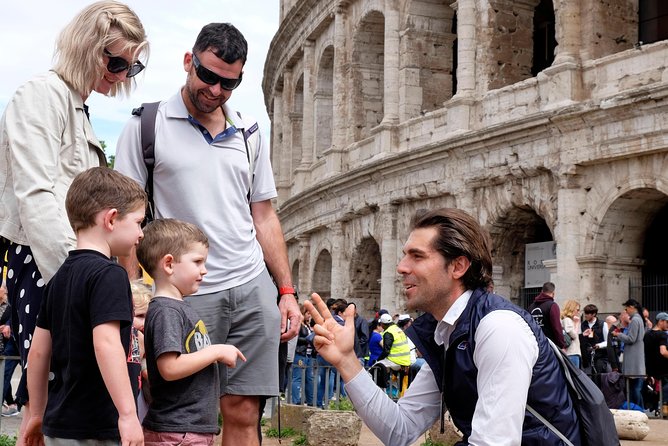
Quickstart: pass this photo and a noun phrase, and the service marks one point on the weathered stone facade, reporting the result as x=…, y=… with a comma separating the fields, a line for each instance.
x=382, y=107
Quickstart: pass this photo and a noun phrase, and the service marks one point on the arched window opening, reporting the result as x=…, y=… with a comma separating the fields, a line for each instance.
x=544, y=41
x=652, y=20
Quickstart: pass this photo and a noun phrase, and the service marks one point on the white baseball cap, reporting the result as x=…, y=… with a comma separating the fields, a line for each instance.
x=385, y=319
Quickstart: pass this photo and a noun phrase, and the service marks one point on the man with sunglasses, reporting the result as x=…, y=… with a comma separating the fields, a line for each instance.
x=202, y=174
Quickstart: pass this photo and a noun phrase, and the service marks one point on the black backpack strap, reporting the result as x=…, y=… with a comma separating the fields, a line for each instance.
x=251, y=152
x=148, y=112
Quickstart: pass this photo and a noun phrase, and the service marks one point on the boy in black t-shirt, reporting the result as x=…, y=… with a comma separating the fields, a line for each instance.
x=182, y=363
x=81, y=344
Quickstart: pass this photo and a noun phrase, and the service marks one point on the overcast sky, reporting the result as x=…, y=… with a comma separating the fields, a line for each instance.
x=28, y=29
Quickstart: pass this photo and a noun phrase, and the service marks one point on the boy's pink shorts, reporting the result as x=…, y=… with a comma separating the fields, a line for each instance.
x=152, y=438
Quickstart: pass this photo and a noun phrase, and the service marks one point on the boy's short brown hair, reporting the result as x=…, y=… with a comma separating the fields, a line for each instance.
x=101, y=188
x=167, y=236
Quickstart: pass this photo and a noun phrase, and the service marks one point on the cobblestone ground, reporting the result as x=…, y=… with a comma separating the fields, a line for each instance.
x=10, y=425
x=658, y=436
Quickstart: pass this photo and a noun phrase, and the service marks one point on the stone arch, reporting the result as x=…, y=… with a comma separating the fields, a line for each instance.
x=297, y=119
x=510, y=232
x=620, y=233
x=628, y=230
x=322, y=274
x=597, y=229
x=491, y=203
x=323, y=101
x=368, y=58
x=653, y=292
x=427, y=56
x=544, y=36
x=365, y=270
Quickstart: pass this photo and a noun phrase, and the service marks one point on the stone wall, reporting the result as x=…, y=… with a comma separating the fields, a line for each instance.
x=576, y=154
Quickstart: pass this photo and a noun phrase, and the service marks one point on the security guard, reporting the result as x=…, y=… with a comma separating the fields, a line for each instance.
x=396, y=351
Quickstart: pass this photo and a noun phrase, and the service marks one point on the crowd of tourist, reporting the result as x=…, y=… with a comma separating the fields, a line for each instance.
x=629, y=348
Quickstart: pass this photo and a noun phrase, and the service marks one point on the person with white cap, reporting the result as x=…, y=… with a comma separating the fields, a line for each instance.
x=396, y=352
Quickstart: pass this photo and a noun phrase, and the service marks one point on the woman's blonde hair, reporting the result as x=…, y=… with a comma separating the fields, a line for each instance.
x=141, y=294
x=570, y=308
x=80, y=45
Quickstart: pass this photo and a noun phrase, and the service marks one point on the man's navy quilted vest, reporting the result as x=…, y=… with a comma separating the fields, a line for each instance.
x=548, y=393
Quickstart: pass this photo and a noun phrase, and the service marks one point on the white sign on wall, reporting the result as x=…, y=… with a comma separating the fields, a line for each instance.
x=535, y=273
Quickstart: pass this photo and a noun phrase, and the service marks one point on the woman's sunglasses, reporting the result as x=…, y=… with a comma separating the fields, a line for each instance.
x=211, y=78
x=118, y=64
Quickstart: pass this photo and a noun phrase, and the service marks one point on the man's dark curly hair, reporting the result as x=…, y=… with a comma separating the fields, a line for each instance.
x=224, y=40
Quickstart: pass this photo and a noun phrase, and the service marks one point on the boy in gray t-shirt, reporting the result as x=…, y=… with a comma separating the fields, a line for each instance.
x=182, y=363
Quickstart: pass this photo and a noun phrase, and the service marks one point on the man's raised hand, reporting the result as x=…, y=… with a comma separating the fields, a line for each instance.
x=334, y=342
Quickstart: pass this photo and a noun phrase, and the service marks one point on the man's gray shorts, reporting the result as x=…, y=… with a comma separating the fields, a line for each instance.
x=247, y=317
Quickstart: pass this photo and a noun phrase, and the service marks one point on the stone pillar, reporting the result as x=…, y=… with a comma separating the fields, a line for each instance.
x=569, y=238
x=285, y=160
x=340, y=88
x=339, y=266
x=277, y=142
x=461, y=104
x=308, y=146
x=568, y=31
x=390, y=296
x=505, y=43
x=391, y=64
x=304, y=286
x=296, y=147
x=607, y=28
x=561, y=84
x=604, y=280
x=467, y=22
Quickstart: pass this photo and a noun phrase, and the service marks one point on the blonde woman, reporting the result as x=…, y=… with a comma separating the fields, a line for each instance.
x=570, y=319
x=46, y=139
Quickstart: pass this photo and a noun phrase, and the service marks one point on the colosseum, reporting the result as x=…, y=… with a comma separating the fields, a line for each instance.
x=546, y=119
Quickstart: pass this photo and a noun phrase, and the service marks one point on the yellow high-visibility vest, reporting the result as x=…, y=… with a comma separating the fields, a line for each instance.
x=400, y=353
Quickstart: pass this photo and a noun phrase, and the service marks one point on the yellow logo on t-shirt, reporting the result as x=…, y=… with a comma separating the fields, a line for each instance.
x=198, y=338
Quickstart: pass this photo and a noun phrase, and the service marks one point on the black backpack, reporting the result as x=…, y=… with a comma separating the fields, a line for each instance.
x=597, y=425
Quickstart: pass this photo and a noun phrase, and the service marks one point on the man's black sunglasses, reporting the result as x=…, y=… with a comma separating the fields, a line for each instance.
x=211, y=78
x=117, y=64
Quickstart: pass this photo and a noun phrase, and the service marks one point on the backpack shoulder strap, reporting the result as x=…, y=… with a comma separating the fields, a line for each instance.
x=252, y=147
x=569, y=382
x=147, y=113
x=549, y=425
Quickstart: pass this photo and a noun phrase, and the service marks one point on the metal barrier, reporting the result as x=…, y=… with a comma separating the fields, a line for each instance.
x=397, y=382
x=315, y=370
